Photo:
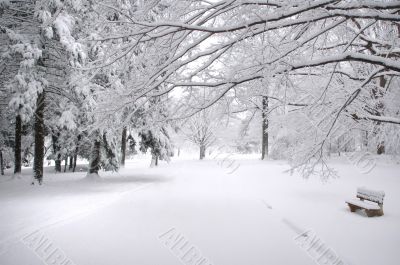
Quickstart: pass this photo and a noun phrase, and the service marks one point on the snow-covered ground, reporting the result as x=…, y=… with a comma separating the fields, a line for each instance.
x=193, y=212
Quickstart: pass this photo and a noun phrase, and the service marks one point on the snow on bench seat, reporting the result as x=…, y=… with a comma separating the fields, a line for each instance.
x=371, y=195
x=364, y=204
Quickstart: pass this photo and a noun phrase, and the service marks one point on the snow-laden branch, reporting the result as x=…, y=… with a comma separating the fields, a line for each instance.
x=349, y=56
x=276, y=16
x=367, y=4
x=385, y=119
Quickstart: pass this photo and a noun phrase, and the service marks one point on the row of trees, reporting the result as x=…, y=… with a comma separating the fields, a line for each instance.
x=80, y=74
x=285, y=60
x=51, y=107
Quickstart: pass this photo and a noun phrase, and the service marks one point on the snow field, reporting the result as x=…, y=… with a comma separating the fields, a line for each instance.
x=252, y=216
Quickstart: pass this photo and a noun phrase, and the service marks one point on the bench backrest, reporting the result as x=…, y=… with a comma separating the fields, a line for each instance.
x=371, y=195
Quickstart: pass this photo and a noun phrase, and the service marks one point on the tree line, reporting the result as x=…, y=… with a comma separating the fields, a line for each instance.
x=77, y=78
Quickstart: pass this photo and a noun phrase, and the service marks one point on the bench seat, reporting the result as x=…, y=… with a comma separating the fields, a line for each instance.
x=369, y=200
x=364, y=204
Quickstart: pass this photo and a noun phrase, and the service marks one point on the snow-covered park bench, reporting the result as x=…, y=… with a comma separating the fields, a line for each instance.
x=371, y=201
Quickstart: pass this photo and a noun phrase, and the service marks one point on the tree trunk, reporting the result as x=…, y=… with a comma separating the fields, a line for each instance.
x=154, y=161
x=76, y=152
x=94, y=166
x=381, y=148
x=71, y=162
x=123, y=147
x=380, y=107
x=56, y=151
x=65, y=163
x=264, y=143
x=1, y=163
x=74, y=166
x=110, y=155
x=202, y=152
x=330, y=149
x=17, y=145
x=39, y=138
x=366, y=140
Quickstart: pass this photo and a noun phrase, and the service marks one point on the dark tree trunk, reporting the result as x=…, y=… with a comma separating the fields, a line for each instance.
x=264, y=143
x=1, y=163
x=56, y=151
x=74, y=166
x=154, y=160
x=39, y=138
x=123, y=146
x=58, y=164
x=366, y=140
x=76, y=152
x=382, y=83
x=110, y=155
x=71, y=162
x=65, y=163
x=381, y=148
x=17, y=145
x=202, y=152
x=94, y=166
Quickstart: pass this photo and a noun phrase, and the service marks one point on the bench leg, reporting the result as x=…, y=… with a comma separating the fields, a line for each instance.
x=380, y=212
x=353, y=208
x=370, y=213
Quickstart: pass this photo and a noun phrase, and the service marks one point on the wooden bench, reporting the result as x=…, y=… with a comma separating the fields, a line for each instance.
x=369, y=200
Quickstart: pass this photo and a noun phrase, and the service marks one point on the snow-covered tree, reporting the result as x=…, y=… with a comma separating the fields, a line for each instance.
x=326, y=39
x=200, y=130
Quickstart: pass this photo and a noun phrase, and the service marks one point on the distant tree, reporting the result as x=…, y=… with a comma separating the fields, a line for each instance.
x=158, y=143
x=200, y=130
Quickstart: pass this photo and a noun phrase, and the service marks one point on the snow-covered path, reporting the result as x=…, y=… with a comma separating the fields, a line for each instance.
x=154, y=216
